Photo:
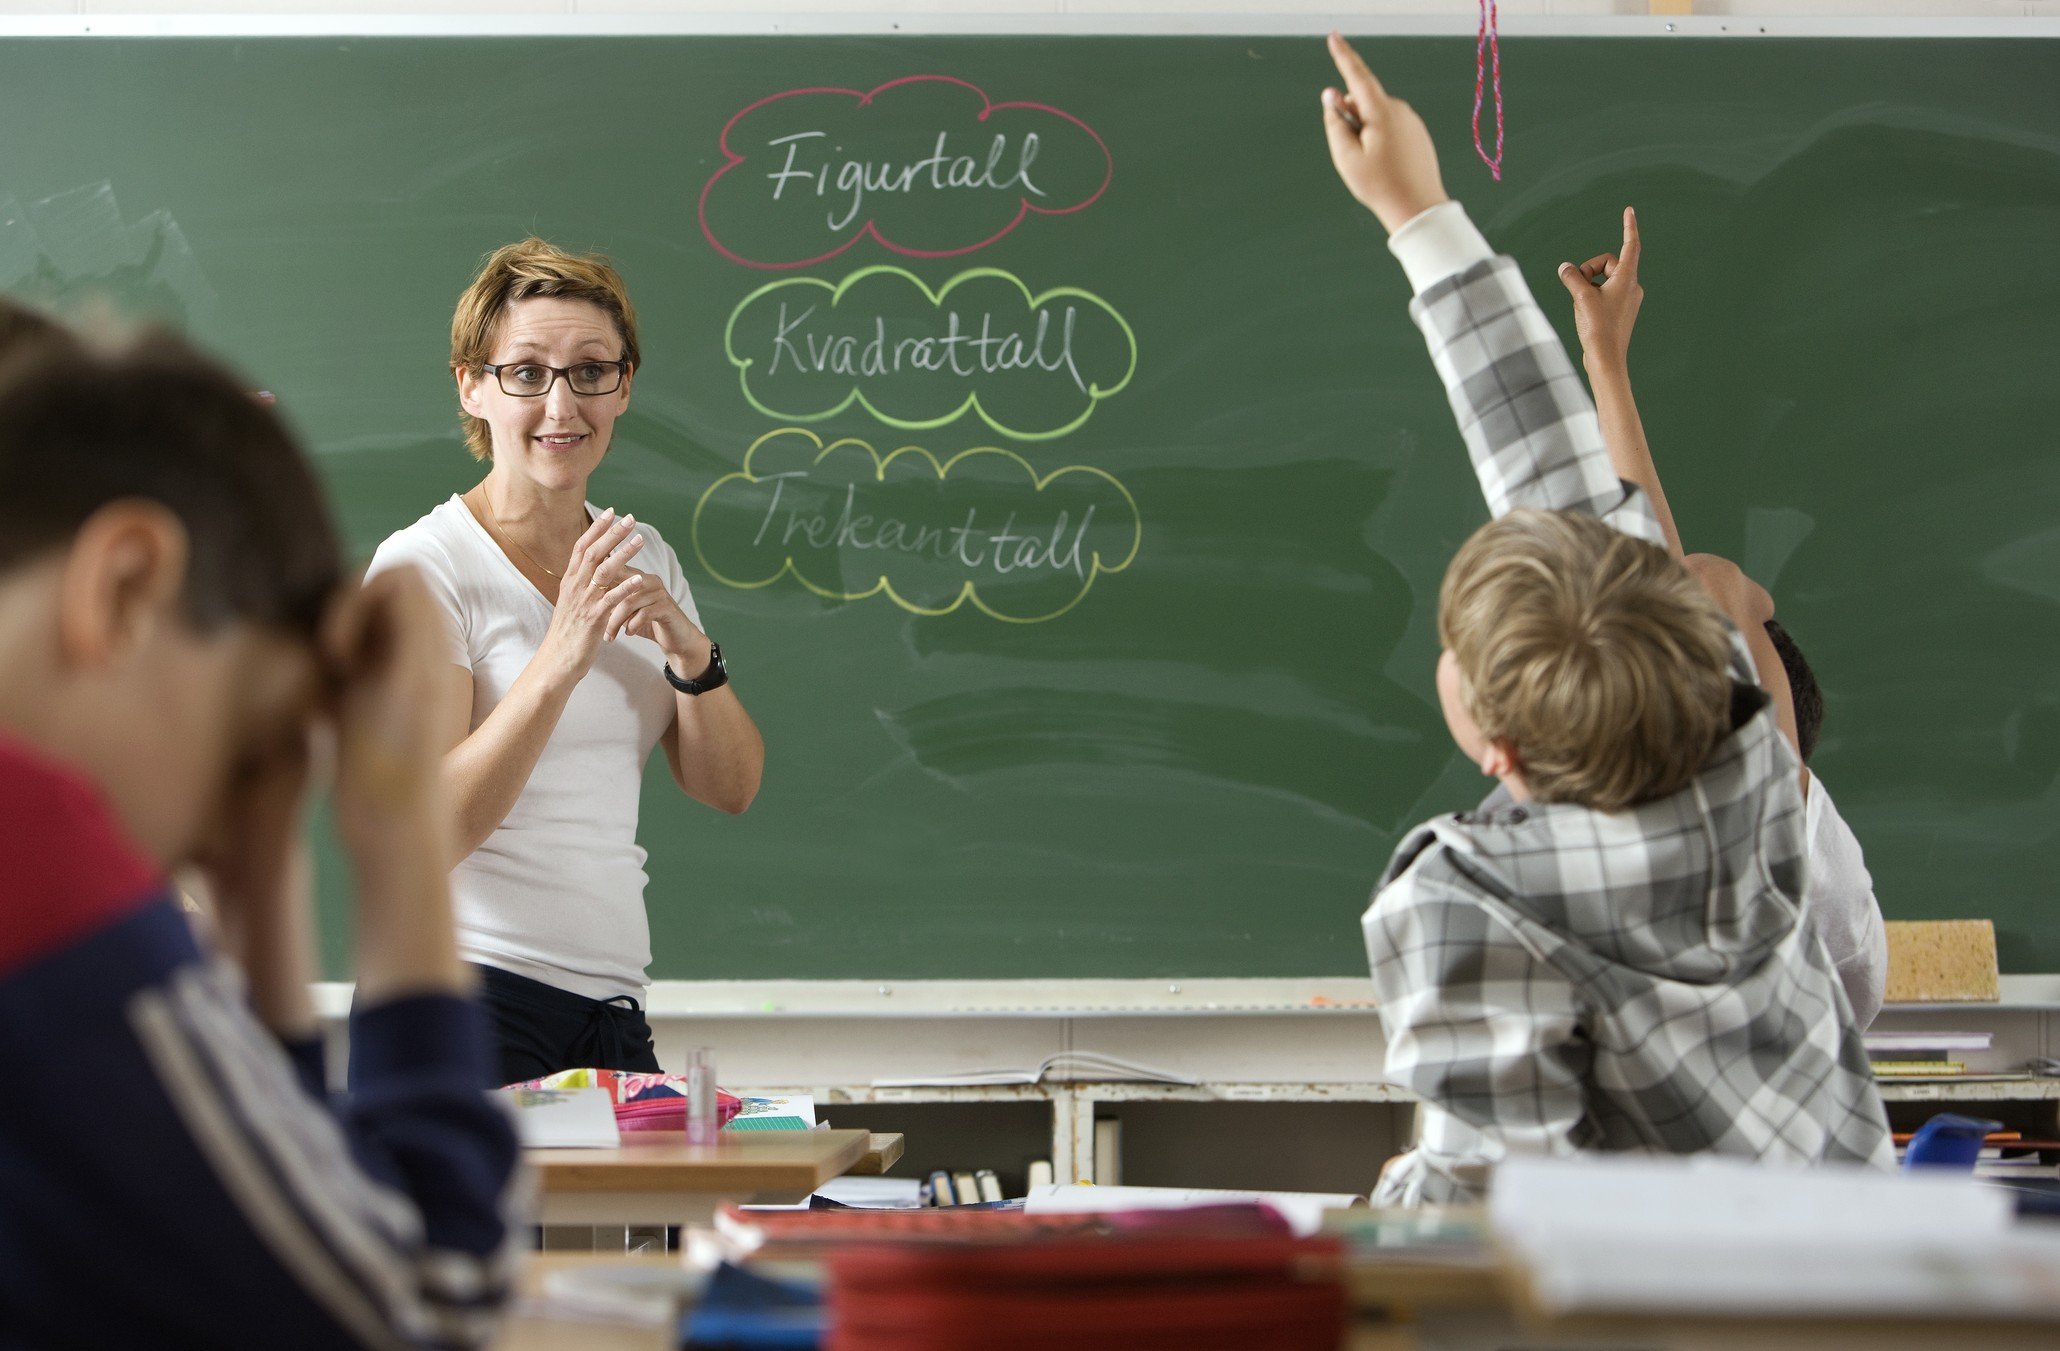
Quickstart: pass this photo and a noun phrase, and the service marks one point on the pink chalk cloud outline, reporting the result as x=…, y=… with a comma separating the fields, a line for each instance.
x=988, y=107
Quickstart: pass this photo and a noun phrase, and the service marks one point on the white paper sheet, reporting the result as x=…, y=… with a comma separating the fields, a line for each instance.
x=564, y=1118
x=1627, y=1234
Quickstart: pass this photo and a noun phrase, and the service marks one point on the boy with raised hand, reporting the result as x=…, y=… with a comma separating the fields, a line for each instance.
x=174, y=624
x=1615, y=961
x=1838, y=892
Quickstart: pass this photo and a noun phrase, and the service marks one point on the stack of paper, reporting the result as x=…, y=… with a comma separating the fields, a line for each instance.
x=1720, y=1236
x=874, y=1193
x=1923, y=1055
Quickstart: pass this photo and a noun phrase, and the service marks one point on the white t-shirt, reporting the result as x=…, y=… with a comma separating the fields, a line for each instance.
x=556, y=893
x=1838, y=902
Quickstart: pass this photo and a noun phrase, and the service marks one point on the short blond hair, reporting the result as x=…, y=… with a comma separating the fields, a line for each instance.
x=1595, y=654
x=521, y=271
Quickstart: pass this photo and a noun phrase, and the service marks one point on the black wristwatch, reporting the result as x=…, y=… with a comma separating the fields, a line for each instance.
x=714, y=678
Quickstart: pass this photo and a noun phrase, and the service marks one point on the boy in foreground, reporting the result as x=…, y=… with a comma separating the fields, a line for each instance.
x=174, y=629
x=1616, y=961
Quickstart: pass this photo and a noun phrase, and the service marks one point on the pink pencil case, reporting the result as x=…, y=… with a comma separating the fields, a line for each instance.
x=669, y=1112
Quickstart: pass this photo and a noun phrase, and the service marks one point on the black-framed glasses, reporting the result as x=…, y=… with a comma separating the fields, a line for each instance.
x=532, y=379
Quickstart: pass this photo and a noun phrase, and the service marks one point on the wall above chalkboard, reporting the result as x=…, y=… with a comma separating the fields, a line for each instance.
x=1072, y=517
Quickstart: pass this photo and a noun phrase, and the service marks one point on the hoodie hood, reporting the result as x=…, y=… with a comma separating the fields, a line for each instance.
x=1690, y=887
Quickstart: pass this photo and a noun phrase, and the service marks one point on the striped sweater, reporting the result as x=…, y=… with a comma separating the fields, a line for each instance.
x=170, y=1174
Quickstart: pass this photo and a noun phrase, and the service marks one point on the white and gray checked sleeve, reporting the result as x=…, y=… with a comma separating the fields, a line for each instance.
x=1480, y=1028
x=1522, y=408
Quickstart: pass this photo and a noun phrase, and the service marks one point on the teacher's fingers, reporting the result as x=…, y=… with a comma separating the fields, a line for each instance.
x=596, y=528
x=600, y=540
x=613, y=553
x=1600, y=268
x=606, y=600
x=1633, y=246
x=636, y=605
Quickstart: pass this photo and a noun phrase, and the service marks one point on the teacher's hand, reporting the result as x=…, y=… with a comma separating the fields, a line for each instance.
x=649, y=611
x=597, y=578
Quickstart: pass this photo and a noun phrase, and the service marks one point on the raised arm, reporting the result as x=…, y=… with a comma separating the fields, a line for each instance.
x=1749, y=607
x=1521, y=407
x=1607, y=295
x=1606, y=298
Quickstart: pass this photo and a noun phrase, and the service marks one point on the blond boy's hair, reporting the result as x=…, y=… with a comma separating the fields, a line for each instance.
x=1595, y=654
x=521, y=271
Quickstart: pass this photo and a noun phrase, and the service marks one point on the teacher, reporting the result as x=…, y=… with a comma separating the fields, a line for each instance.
x=575, y=647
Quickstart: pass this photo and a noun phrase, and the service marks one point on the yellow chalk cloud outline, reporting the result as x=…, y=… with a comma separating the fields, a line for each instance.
x=1095, y=393
x=969, y=592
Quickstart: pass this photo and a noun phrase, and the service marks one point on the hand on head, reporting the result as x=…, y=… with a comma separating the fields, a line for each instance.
x=1606, y=298
x=384, y=646
x=1379, y=145
x=366, y=712
x=252, y=854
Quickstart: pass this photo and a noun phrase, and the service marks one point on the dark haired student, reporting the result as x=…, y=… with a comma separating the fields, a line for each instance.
x=174, y=625
x=1838, y=891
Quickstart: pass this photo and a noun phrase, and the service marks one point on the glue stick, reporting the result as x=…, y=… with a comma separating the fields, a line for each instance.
x=701, y=1123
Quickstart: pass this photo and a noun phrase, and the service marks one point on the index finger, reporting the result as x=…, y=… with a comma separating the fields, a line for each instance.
x=1360, y=82
x=1629, y=255
x=596, y=550
x=596, y=528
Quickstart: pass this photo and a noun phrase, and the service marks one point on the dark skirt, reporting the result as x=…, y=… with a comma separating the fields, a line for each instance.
x=539, y=1029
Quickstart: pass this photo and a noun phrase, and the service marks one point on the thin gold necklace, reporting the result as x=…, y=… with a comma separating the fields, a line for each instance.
x=495, y=516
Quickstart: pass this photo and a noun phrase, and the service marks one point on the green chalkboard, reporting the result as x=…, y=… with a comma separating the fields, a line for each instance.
x=1093, y=636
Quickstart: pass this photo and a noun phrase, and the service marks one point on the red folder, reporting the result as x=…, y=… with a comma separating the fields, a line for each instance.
x=1124, y=1293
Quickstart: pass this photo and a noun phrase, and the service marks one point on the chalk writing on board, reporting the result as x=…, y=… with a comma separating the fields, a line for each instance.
x=982, y=529
x=927, y=165
x=1031, y=365
x=76, y=249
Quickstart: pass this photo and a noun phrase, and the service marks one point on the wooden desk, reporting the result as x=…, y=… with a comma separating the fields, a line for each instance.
x=657, y=1179
x=881, y=1153
x=1450, y=1311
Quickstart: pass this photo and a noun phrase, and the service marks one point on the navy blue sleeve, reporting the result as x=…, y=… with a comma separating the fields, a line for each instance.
x=413, y=1123
x=310, y=1064
x=175, y=1141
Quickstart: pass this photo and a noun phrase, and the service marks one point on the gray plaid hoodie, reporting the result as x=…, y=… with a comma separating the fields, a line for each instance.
x=1553, y=978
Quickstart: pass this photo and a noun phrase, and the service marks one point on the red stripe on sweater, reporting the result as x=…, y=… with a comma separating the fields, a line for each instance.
x=67, y=868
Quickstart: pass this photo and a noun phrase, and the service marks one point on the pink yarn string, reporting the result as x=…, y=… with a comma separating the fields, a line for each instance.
x=1487, y=53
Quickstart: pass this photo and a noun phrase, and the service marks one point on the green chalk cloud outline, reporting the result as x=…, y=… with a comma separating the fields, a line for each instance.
x=1095, y=393
x=969, y=591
